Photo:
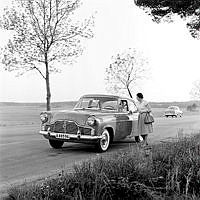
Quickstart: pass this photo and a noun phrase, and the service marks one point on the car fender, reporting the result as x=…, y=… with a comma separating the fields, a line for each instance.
x=111, y=130
x=108, y=126
x=104, y=121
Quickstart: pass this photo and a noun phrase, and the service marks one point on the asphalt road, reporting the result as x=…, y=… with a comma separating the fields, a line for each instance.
x=26, y=155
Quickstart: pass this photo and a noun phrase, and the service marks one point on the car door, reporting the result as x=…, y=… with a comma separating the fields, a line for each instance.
x=133, y=116
x=123, y=122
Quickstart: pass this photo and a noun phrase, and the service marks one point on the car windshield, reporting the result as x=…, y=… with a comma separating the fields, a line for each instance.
x=104, y=103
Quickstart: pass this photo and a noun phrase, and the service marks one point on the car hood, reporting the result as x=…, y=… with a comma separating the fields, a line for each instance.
x=79, y=116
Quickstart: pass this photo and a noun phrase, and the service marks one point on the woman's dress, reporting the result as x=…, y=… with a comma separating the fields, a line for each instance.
x=142, y=128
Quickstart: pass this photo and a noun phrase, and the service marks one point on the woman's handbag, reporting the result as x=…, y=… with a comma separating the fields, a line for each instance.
x=148, y=118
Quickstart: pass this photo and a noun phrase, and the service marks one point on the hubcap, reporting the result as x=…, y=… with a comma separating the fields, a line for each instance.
x=105, y=140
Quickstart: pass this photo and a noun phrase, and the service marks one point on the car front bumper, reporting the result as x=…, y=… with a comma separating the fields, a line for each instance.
x=70, y=137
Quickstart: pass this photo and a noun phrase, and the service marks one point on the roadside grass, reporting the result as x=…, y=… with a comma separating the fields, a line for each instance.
x=165, y=171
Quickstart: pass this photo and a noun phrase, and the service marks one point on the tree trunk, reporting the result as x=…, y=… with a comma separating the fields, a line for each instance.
x=48, y=98
x=129, y=92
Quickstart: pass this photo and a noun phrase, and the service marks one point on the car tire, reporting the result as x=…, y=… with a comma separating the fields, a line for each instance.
x=104, y=143
x=56, y=144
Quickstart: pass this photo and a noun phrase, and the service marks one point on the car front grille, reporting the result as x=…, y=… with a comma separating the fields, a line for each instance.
x=64, y=127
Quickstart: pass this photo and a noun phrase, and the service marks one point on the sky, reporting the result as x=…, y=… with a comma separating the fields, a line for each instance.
x=172, y=54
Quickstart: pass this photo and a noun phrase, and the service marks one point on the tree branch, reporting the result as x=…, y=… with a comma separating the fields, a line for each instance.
x=35, y=21
x=39, y=71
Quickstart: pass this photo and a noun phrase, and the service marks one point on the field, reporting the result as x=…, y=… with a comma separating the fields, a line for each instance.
x=28, y=113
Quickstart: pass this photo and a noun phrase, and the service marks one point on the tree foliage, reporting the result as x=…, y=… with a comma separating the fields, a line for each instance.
x=160, y=9
x=125, y=70
x=195, y=92
x=192, y=107
x=44, y=37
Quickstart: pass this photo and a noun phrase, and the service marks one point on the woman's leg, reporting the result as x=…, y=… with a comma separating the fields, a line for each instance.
x=144, y=139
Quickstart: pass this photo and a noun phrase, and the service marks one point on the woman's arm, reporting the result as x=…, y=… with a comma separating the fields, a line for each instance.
x=135, y=111
x=146, y=108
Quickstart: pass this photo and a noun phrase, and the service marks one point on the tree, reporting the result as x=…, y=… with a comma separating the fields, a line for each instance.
x=195, y=92
x=44, y=37
x=124, y=71
x=192, y=107
x=160, y=9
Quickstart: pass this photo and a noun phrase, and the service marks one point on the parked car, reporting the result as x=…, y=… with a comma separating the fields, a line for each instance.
x=173, y=111
x=95, y=119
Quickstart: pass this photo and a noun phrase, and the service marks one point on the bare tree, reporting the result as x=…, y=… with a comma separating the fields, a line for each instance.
x=195, y=92
x=44, y=37
x=125, y=70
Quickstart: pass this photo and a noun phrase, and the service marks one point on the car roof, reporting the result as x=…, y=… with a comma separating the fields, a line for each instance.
x=106, y=95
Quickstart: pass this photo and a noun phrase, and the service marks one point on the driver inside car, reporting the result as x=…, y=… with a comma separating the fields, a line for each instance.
x=123, y=106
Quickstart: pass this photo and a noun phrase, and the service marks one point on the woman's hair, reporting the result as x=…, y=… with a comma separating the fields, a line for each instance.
x=140, y=95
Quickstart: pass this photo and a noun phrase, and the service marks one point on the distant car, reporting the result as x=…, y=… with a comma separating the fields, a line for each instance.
x=173, y=111
x=95, y=119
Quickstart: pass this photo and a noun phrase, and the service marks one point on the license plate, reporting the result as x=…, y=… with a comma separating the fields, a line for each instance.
x=62, y=136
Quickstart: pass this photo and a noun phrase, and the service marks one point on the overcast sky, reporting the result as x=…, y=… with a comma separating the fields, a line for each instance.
x=172, y=53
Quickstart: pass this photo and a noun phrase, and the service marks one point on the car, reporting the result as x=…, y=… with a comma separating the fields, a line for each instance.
x=173, y=111
x=96, y=119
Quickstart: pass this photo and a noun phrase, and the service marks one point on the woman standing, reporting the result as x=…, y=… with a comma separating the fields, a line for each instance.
x=143, y=129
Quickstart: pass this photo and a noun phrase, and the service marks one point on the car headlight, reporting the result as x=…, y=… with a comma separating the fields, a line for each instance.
x=44, y=117
x=91, y=121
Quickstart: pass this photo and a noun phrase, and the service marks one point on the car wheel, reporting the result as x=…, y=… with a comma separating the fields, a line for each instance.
x=104, y=143
x=56, y=144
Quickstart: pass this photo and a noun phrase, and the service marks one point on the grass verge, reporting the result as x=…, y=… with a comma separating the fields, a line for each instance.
x=166, y=171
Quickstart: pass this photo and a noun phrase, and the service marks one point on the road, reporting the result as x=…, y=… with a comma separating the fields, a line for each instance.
x=26, y=155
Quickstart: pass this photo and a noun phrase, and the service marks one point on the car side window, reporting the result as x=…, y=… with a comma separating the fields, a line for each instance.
x=123, y=106
x=109, y=105
x=93, y=103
